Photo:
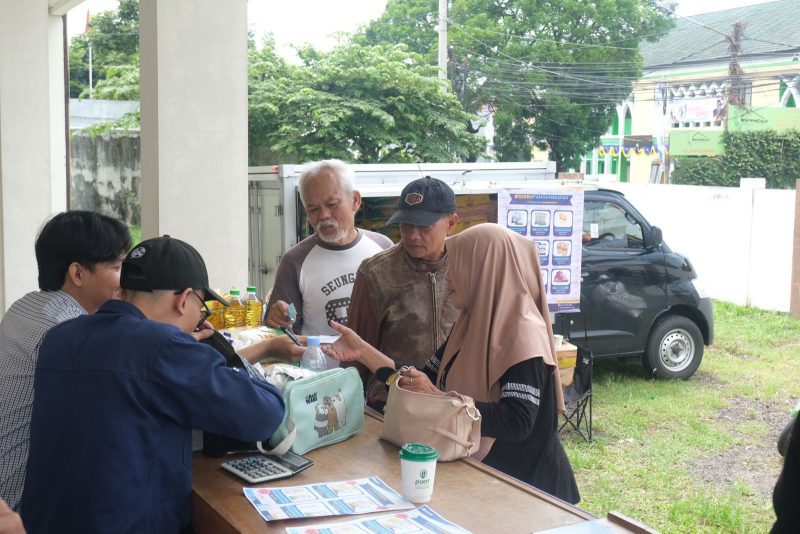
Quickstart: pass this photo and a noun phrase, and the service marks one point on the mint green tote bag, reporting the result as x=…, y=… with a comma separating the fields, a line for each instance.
x=320, y=410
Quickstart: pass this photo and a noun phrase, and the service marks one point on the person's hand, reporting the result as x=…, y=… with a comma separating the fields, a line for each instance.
x=203, y=331
x=284, y=347
x=349, y=347
x=278, y=315
x=416, y=380
x=10, y=522
x=280, y=346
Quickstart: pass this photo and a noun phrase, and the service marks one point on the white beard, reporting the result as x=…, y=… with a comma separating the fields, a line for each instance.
x=330, y=239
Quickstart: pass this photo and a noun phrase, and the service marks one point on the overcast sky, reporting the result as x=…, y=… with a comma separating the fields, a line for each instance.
x=313, y=21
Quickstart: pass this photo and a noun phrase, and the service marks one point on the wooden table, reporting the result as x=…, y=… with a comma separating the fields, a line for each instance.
x=466, y=492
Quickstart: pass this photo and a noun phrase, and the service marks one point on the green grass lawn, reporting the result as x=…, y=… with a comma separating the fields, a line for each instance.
x=697, y=455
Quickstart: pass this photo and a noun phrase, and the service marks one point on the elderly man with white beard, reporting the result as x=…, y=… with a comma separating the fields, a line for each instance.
x=317, y=274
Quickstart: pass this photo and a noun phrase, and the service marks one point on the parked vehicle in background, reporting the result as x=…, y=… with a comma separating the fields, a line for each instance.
x=638, y=297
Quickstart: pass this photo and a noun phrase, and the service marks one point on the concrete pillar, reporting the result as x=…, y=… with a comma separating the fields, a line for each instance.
x=194, y=129
x=32, y=146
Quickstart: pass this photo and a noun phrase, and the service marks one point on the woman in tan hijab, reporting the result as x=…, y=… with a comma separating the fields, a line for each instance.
x=500, y=352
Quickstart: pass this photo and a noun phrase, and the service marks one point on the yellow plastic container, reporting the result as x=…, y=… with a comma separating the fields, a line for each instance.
x=217, y=317
x=236, y=312
x=254, y=308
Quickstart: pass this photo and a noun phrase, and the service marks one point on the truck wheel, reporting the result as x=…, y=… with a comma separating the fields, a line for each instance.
x=675, y=348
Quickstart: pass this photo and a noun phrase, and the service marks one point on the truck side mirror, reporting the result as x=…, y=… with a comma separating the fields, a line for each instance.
x=655, y=238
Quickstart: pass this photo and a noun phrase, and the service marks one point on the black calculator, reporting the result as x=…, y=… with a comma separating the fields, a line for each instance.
x=261, y=468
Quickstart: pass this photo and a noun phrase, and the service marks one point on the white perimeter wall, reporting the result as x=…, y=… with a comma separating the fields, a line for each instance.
x=739, y=240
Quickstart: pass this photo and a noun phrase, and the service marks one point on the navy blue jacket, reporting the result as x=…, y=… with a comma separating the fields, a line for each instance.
x=115, y=398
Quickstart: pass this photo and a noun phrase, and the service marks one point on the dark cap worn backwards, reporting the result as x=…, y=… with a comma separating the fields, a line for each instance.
x=423, y=202
x=165, y=263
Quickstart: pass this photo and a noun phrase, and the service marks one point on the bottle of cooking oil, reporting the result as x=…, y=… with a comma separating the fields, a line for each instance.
x=217, y=317
x=255, y=308
x=235, y=312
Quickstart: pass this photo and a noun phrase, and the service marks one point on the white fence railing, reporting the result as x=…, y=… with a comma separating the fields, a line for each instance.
x=738, y=239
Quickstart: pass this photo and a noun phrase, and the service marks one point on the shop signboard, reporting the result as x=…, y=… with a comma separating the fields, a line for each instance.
x=697, y=109
x=553, y=220
x=696, y=143
x=744, y=119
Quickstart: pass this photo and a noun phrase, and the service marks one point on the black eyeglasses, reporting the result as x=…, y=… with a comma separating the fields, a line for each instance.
x=205, y=312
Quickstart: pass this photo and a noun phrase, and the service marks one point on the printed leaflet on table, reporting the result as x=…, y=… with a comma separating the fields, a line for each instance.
x=420, y=521
x=346, y=497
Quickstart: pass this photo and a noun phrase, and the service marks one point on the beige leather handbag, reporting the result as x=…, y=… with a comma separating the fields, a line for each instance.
x=450, y=423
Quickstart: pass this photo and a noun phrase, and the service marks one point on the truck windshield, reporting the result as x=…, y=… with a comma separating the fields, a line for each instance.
x=607, y=225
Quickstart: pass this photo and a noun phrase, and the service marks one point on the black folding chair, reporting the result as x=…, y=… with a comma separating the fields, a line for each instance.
x=578, y=397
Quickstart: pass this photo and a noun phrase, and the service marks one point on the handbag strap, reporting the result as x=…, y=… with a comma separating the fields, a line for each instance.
x=286, y=443
x=468, y=404
x=459, y=397
x=468, y=445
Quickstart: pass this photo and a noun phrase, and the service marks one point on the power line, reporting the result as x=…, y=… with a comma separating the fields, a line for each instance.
x=540, y=39
x=788, y=46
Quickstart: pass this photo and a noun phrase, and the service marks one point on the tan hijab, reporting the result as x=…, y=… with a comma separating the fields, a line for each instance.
x=504, y=319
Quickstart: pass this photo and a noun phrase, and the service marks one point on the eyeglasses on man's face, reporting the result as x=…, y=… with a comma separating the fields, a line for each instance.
x=204, y=310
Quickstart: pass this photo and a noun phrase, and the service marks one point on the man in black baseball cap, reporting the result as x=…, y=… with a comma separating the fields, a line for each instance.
x=423, y=202
x=166, y=263
x=127, y=385
x=400, y=303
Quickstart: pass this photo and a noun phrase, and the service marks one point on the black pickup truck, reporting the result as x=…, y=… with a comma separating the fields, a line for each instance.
x=638, y=297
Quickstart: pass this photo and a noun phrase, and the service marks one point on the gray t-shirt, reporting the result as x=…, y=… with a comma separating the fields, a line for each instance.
x=318, y=278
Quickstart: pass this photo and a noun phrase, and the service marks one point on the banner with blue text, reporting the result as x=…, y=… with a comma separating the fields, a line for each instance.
x=552, y=219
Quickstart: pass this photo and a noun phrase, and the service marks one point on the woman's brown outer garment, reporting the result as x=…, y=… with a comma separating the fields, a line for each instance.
x=504, y=317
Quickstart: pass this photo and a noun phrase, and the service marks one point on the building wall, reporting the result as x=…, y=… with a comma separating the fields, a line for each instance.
x=766, y=76
x=106, y=175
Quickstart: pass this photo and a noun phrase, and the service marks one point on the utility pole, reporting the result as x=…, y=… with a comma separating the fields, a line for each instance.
x=442, y=39
x=89, y=39
x=735, y=90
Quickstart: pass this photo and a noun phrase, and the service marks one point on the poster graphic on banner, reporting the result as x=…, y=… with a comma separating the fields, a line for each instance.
x=553, y=220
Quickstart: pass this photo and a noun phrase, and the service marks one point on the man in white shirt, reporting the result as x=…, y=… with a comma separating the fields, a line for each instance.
x=317, y=274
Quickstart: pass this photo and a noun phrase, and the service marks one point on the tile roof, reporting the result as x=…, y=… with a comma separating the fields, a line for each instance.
x=771, y=28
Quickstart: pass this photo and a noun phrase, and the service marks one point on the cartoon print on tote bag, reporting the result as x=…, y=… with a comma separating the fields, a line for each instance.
x=331, y=414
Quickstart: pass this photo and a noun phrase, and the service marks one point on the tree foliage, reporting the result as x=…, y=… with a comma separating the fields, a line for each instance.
x=114, y=38
x=359, y=103
x=553, y=70
x=765, y=154
x=700, y=171
x=120, y=83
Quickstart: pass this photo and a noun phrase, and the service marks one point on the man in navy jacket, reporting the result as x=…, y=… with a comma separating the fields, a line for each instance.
x=117, y=393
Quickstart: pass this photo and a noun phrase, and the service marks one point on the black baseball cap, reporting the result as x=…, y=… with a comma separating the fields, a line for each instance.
x=165, y=263
x=423, y=202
